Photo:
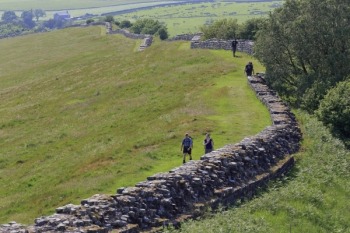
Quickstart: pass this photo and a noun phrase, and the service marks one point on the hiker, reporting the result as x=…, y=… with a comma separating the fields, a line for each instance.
x=234, y=47
x=249, y=69
x=186, y=147
x=208, y=144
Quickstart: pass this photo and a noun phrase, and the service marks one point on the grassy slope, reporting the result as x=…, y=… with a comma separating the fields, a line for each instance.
x=85, y=113
x=313, y=198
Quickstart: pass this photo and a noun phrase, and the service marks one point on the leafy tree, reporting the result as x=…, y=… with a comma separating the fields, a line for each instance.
x=334, y=110
x=27, y=17
x=39, y=13
x=163, y=33
x=9, y=16
x=146, y=26
x=54, y=23
x=11, y=29
x=125, y=24
x=221, y=29
x=89, y=21
x=305, y=47
x=109, y=18
x=249, y=28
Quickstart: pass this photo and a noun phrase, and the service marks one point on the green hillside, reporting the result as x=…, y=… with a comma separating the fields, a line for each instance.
x=85, y=113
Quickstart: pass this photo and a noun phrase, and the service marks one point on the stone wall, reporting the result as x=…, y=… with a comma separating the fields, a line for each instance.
x=186, y=37
x=243, y=45
x=130, y=35
x=147, y=39
x=226, y=175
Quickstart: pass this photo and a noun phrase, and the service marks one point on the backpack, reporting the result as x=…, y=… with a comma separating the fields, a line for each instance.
x=248, y=68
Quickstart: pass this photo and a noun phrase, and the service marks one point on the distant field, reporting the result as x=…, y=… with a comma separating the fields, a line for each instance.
x=76, y=8
x=189, y=17
x=20, y=5
x=179, y=19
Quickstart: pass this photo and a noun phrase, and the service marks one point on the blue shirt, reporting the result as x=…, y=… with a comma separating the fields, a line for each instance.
x=187, y=142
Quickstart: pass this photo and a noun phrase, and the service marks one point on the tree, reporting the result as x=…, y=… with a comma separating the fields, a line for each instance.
x=9, y=16
x=125, y=24
x=54, y=23
x=221, y=29
x=249, y=28
x=163, y=33
x=27, y=17
x=109, y=18
x=89, y=21
x=146, y=26
x=305, y=47
x=39, y=13
x=334, y=110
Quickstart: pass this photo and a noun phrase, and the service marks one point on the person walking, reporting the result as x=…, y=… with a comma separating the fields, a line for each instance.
x=208, y=144
x=249, y=69
x=234, y=47
x=186, y=147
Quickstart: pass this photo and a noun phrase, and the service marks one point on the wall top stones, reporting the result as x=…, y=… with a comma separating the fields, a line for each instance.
x=128, y=34
x=246, y=46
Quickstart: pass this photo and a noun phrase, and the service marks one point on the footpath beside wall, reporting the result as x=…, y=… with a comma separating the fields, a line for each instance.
x=223, y=176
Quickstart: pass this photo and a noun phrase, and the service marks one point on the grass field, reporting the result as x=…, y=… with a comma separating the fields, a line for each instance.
x=188, y=18
x=85, y=113
x=179, y=19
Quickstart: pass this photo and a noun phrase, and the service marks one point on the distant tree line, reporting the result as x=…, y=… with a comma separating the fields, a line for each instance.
x=227, y=29
x=305, y=48
x=11, y=24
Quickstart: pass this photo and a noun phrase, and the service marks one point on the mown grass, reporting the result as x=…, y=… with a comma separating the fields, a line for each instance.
x=85, y=113
x=313, y=198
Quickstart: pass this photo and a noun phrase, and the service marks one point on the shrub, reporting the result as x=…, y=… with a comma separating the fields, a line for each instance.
x=89, y=21
x=125, y=24
x=221, y=29
x=109, y=18
x=163, y=33
x=334, y=110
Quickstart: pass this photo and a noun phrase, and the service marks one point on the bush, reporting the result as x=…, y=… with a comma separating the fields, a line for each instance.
x=109, y=18
x=125, y=24
x=222, y=29
x=163, y=33
x=249, y=28
x=146, y=26
x=89, y=21
x=334, y=110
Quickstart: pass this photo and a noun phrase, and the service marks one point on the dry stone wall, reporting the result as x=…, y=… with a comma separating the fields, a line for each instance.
x=242, y=46
x=130, y=35
x=226, y=175
x=147, y=39
x=185, y=37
